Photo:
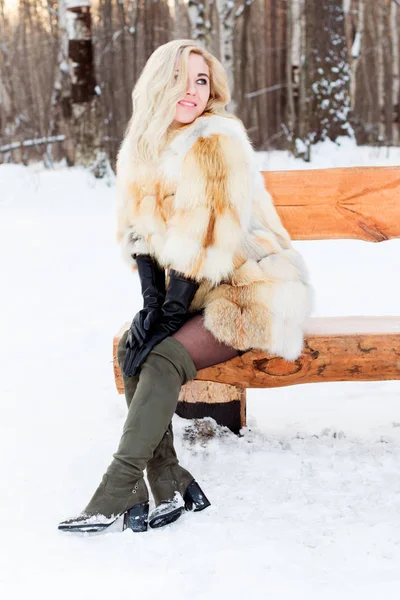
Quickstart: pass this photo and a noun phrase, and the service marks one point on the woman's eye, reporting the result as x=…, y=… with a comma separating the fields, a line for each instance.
x=203, y=80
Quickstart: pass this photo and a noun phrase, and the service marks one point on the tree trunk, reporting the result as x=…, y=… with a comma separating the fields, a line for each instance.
x=290, y=109
x=356, y=51
x=76, y=84
x=328, y=71
x=243, y=59
x=387, y=51
x=380, y=71
x=302, y=139
x=124, y=58
x=395, y=24
x=226, y=21
x=200, y=24
x=8, y=107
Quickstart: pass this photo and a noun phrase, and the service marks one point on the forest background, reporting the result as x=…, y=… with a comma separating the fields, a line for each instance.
x=300, y=71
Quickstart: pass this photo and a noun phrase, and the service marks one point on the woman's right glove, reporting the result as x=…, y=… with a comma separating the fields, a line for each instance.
x=152, y=279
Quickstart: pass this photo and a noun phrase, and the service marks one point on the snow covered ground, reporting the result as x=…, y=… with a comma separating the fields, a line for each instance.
x=306, y=504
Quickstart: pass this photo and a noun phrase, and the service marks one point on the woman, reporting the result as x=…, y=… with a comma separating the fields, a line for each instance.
x=190, y=201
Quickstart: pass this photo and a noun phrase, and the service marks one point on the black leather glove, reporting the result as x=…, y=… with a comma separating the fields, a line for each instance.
x=174, y=311
x=152, y=279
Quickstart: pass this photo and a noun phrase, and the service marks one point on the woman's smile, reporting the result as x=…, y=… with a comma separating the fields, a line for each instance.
x=187, y=103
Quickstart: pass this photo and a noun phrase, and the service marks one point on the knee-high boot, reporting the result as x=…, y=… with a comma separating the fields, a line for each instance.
x=123, y=490
x=174, y=488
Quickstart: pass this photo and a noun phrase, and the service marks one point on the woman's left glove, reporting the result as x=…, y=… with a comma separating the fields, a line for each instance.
x=174, y=313
x=152, y=279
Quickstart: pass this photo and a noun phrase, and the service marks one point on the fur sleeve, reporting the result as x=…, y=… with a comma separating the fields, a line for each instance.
x=129, y=239
x=211, y=210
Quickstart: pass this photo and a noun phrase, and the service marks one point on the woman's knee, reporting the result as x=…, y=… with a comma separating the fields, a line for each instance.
x=204, y=349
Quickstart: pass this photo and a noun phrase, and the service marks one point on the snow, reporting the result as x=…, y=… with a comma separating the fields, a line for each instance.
x=305, y=504
x=64, y=66
x=328, y=154
x=352, y=325
x=355, y=49
x=76, y=3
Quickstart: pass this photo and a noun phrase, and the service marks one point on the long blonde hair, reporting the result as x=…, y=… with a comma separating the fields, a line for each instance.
x=160, y=86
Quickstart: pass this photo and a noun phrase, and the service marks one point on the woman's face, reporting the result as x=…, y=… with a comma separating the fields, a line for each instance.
x=197, y=91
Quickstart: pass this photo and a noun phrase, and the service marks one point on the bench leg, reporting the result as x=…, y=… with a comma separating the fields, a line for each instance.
x=224, y=403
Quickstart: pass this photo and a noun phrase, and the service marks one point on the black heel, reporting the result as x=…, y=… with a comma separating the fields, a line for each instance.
x=137, y=517
x=194, y=498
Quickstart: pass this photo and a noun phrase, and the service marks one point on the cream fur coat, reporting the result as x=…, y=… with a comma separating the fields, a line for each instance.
x=203, y=210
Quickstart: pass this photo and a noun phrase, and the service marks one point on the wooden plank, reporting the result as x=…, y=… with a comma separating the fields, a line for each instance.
x=336, y=349
x=353, y=203
x=356, y=357
x=117, y=371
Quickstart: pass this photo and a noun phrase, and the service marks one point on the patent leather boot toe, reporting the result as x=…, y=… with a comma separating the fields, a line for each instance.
x=167, y=512
x=113, y=507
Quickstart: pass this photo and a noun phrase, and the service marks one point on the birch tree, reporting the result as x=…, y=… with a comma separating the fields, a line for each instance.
x=356, y=45
x=328, y=70
x=387, y=60
x=199, y=12
x=378, y=25
x=395, y=26
x=229, y=11
x=76, y=92
x=292, y=67
x=7, y=94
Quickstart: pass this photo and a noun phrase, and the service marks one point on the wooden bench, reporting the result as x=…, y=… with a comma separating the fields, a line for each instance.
x=353, y=203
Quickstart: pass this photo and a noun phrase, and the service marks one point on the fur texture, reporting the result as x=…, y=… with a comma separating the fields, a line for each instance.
x=203, y=210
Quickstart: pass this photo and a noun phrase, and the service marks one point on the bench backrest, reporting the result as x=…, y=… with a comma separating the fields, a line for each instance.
x=353, y=203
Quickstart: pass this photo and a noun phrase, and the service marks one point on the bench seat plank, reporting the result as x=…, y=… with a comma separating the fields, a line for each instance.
x=335, y=349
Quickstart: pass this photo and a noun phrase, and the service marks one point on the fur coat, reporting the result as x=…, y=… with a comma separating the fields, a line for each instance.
x=203, y=210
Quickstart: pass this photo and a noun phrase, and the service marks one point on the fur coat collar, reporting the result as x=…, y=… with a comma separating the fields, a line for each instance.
x=203, y=210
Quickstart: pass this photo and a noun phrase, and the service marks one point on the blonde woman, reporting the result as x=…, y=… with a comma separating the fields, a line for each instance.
x=217, y=269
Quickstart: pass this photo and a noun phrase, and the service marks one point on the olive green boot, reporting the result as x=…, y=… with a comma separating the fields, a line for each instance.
x=164, y=473
x=122, y=490
x=169, y=482
x=116, y=505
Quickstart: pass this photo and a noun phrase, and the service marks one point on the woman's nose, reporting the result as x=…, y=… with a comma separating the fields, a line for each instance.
x=191, y=88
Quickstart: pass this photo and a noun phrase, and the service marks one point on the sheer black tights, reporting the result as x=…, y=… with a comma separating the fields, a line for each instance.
x=204, y=349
